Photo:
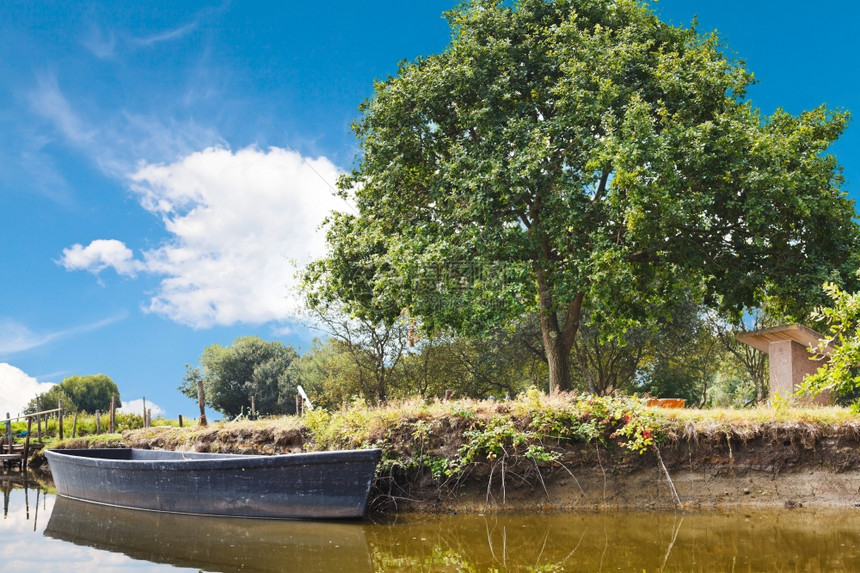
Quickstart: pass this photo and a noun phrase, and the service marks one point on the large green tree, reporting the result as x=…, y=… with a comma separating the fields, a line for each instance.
x=563, y=155
x=250, y=367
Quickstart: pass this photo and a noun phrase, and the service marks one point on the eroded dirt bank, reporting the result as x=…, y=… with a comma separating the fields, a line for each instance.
x=785, y=466
x=772, y=465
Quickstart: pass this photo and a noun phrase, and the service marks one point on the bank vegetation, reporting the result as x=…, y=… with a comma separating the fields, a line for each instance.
x=562, y=452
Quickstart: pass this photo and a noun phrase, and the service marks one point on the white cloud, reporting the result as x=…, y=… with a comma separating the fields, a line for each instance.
x=99, y=255
x=237, y=220
x=17, y=389
x=136, y=407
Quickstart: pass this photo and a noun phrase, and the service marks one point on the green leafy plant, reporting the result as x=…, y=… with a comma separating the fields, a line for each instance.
x=840, y=373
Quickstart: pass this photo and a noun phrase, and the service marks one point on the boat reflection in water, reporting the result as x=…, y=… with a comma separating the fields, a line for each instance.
x=212, y=543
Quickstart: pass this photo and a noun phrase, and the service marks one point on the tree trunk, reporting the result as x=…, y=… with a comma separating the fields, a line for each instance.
x=558, y=336
x=558, y=360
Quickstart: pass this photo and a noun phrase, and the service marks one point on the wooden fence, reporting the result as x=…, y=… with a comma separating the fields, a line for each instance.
x=10, y=452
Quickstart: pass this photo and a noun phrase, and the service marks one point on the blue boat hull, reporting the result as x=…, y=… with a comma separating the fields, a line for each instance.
x=321, y=485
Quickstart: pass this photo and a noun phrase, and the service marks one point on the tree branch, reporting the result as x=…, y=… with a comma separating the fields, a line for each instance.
x=601, y=188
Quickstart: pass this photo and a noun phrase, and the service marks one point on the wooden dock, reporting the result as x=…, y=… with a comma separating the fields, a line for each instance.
x=18, y=454
x=12, y=454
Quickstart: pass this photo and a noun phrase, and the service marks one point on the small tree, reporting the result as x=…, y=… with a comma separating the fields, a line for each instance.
x=80, y=393
x=249, y=367
x=375, y=348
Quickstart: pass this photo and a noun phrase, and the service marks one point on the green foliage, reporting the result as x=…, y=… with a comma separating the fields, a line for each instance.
x=334, y=372
x=521, y=432
x=496, y=364
x=572, y=155
x=91, y=393
x=249, y=367
x=79, y=393
x=50, y=399
x=840, y=374
x=86, y=424
x=731, y=390
x=328, y=374
x=498, y=438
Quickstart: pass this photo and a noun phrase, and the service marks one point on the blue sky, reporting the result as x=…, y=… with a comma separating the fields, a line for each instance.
x=162, y=165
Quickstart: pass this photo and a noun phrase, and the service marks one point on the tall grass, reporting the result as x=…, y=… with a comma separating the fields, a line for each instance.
x=85, y=425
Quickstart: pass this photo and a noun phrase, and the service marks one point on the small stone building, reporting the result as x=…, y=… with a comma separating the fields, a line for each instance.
x=788, y=347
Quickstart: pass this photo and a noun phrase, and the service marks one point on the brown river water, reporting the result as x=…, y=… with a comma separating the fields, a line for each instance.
x=41, y=532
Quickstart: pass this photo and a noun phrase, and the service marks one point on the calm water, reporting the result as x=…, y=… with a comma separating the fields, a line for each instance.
x=40, y=532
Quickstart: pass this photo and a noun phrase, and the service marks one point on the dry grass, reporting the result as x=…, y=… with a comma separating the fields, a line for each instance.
x=830, y=416
x=358, y=425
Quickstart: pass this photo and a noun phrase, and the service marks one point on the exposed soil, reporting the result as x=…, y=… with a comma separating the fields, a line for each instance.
x=784, y=465
x=778, y=465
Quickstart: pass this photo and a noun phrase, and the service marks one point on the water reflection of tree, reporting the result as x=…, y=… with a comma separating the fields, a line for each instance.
x=477, y=543
x=551, y=542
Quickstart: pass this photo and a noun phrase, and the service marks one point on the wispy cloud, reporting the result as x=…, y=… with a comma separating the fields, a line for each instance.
x=116, y=140
x=40, y=170
x=99, y=43
x=166, y=35
x=47, y=101
x=16, y=337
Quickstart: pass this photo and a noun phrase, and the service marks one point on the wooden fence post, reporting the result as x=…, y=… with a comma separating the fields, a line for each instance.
x=98, y=422
x=9, y=432
x=145, y=425
x=60, y=417
x=39, y=420
x=112, y=414
x=75, y=425
x=180, y=420
x=27, y=443
x=201, y=401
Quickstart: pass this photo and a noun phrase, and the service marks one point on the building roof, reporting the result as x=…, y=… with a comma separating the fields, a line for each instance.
x=761, y=339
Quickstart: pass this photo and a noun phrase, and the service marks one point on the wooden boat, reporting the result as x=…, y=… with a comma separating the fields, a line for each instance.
x=320, y=485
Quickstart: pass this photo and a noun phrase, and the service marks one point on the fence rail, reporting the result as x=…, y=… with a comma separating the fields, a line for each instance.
x=26, y=416
x=12, y=453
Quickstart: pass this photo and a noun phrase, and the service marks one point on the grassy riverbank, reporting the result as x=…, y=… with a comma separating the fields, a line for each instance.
x=556, y=452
